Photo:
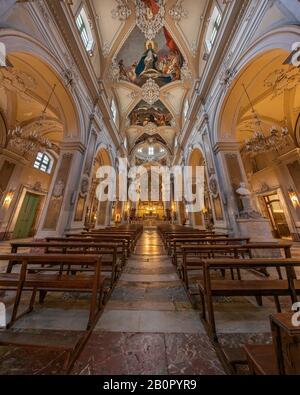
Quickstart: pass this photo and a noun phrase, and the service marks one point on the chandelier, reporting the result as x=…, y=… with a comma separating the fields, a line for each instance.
x=148, y=20
x=262, y=143
x=27, y=144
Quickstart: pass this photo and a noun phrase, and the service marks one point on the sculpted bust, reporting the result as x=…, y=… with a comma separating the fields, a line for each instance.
x=242, y=190
x=248, y=210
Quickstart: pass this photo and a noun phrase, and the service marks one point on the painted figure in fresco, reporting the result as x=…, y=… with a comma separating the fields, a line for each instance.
x=161, y=62
x=131, y=73
x=148, y=61
x=143, y=114
x=123, y=74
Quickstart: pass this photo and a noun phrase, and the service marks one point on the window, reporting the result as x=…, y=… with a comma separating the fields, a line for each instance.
x=151, y=151
x=84, y=30
x=213, y=28
x=43, y=162
x=114, y=110
x=186, y=109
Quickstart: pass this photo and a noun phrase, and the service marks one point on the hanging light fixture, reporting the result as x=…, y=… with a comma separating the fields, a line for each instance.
x=28, y=144
x=260, y=143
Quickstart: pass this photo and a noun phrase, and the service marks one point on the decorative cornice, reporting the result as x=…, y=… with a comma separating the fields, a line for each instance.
x=226, y=147
x=72, y=146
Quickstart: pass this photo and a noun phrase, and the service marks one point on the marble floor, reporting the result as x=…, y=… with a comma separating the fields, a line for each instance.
x=148, y=326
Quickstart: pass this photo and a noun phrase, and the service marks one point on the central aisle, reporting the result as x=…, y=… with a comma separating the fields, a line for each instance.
x=149, y=325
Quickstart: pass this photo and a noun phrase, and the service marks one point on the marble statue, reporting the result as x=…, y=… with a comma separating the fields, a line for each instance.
x=249, y=210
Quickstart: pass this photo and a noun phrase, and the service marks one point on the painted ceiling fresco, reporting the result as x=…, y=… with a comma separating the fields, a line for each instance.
x=141, y=59
x=157, y=114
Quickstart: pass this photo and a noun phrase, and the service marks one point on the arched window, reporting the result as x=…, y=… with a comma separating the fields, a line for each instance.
x=43, y=162
x=85, y=30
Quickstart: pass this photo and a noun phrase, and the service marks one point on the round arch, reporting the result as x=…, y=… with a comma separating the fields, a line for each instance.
x=29, y=49
x=103, y=156
x=196, y=157
x=276, y=42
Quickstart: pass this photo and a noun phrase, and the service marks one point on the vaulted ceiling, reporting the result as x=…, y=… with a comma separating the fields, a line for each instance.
x=175, y=56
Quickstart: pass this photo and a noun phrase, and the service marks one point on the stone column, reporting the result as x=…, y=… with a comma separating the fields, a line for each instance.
x=60, y=206
x=85, y=190
x=244, y=221
x=231, y=174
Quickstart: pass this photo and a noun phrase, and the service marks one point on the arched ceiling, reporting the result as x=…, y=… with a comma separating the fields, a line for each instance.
x=177, y=50
x=26, y=100
x=274, y=90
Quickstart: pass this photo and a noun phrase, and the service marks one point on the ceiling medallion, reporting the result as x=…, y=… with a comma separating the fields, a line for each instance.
x=150, y=92
x=150, y=128
x=178, y=12
x=122, y=11
x=150, y=17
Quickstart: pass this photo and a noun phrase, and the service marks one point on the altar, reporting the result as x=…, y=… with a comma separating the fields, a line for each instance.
x=151, y=211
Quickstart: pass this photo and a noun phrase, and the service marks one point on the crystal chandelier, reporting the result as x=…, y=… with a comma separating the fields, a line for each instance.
x=27, y=144
x=261, y=143
x=148, y=21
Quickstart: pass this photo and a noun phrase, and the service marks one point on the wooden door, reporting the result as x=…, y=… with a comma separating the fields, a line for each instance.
x=27, y=217
x=277, y=217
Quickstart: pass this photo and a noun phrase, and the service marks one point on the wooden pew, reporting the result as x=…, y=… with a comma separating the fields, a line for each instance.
x=120, y=244
x=199, y=252
x=70, y=345
x=127, y=239
x=169, y=240
x=131, y=236
x=107, y=251
x=168, y=235
x=177, y=243
x=209, y=288
x=60, y=282
x=283, y=356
